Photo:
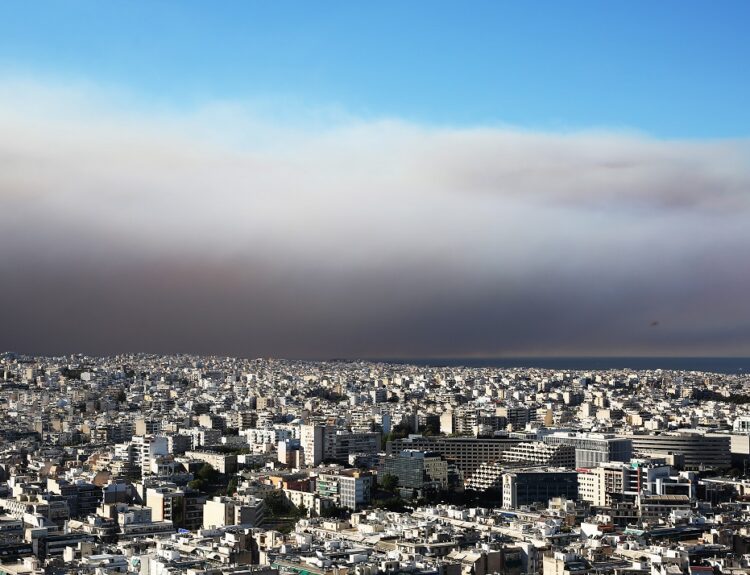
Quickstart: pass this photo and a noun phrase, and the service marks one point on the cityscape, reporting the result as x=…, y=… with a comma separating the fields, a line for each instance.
x=424, y=287
x=191, y=464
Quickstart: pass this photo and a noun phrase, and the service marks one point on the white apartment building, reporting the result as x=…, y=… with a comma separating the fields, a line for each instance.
x=225, y=511
x=145, y=448
x=311, y=442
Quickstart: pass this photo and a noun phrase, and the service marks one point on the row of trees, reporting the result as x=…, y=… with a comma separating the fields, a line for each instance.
x=281, y=508
x=205, y=478
x=326, y=394
x=711, y=395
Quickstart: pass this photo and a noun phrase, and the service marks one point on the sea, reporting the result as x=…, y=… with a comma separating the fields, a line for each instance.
x=725, y=365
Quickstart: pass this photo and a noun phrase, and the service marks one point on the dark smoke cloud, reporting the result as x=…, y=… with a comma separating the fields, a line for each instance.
x=218, y=233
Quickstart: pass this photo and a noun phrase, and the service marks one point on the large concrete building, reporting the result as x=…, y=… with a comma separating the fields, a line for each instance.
x=338, y=444
x=419, y=470
x=488, y=476
x=225, y=463
x=698, y=450
x=525, y=487
x=184, y=508
x=321, y=443
x=539, y=453
x=351, y=488
x=593, y=448
x=740, y=450
x=468, y=453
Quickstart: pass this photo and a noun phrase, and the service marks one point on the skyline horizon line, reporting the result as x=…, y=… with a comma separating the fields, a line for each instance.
x=387, y=358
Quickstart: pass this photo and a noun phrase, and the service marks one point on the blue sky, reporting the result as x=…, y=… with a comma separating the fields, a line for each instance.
x=674, y=69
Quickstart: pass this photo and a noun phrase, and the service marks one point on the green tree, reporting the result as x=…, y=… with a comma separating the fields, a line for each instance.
x=334, y=512
x=207, y=473
x=197, y=484
x=389, y=482
x=277, y=504
x=232, y=486
x=391, y=504
x=398, y=431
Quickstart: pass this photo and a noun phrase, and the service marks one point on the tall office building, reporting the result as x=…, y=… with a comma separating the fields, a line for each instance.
x=311, y=443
